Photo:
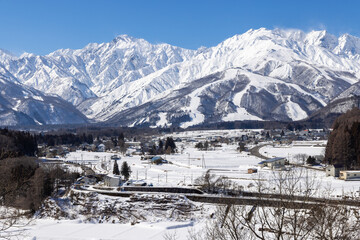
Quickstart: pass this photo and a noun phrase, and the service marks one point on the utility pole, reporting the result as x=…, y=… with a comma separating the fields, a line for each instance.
x=203, y=165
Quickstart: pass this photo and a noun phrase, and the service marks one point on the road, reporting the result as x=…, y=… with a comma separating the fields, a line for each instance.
x=255, y=151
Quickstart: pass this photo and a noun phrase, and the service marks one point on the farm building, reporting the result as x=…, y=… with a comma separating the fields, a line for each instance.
x=350, y=175
x=112, y=181
x=272, y=163
x=334, y=170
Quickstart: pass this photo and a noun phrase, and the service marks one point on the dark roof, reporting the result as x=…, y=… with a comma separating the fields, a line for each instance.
x=338, y=165
x=156, y=158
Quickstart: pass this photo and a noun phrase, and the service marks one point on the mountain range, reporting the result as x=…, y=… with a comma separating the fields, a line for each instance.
x=261, y=74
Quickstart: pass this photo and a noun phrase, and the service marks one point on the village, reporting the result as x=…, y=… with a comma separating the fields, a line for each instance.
x=240, y=156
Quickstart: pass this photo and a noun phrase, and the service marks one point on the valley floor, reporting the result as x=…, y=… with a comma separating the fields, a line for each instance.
x=187, y=165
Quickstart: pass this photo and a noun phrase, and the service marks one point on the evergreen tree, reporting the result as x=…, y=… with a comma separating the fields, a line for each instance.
x=168, y=150
x=116, y=169
x=199, y=145
x=311, y=160
x=267, y=135
x=161, y=146
x=125, y=170
x=241, y=147
x=121, y=137
x=206, y=145
x=170, y=143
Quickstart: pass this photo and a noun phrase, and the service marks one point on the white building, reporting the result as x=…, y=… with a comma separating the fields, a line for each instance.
x=350, y=175
x=272, y=163
x=112, y=181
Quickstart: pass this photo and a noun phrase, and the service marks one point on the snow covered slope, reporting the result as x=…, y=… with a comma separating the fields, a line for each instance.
x=76, y=75
x=22, y=105
x=289, y=74
x=233, y=94
x=310, y=61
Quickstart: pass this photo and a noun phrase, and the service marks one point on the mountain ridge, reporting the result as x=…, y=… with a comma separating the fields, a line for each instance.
x=105, y=79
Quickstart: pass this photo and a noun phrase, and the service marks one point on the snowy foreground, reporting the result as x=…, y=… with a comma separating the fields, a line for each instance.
x=187, y=165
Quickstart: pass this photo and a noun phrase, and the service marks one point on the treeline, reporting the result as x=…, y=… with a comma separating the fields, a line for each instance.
x=99, y=132
x=248, y=124
x=343, y=146
x=24, y=184
x=161, y=148
x=64, y=139
x=16, y=144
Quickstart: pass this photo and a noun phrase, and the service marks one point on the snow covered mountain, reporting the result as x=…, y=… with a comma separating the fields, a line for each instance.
x=233, y=94
x=22, y=105
x=261, y=74
x=76, y=75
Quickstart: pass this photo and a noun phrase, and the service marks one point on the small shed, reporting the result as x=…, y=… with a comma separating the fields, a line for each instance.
x=252, y=170
x=350, y=175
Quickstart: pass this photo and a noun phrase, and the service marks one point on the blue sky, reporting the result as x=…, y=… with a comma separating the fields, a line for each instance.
x=41, y=27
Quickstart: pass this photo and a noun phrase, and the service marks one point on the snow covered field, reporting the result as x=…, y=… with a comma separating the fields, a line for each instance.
x=187, y=165
x=74, y=229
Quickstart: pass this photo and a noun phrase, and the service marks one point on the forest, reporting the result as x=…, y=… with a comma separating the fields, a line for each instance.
x=16, y=144
x=343, y=146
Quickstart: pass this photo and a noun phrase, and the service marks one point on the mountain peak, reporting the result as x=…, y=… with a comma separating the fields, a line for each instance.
x=322, y=38
x=348, y=44
x=124, y=38
x=27, y=55
x=4, y=54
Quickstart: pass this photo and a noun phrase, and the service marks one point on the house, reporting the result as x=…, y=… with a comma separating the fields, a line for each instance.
x=101, y=148
x=112, y=181
x=350, y=175
x=115, y=157
x=83, y=181
x=87, y=180
x=158, y=160
x=137, y=183
x=272, y=163
x=252, y=170
x=334, y=170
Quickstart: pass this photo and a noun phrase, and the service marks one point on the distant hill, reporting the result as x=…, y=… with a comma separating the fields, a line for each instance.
x=327, y=115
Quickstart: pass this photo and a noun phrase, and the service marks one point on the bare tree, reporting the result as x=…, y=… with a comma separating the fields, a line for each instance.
x=287, y=208
x=335, y=222
x=12, y=223
x=224, y=224
x=171, y=236
x=301, y=158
